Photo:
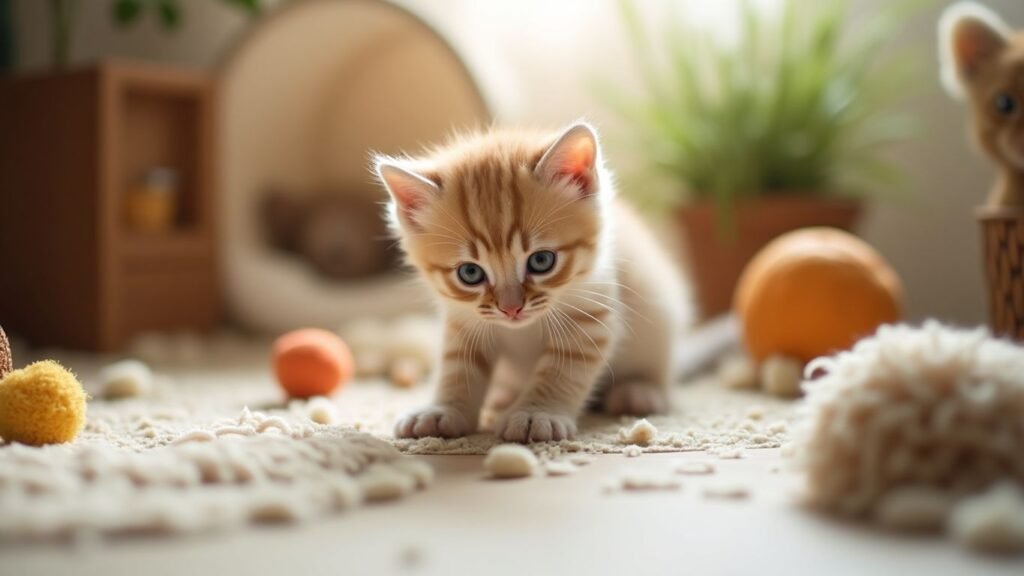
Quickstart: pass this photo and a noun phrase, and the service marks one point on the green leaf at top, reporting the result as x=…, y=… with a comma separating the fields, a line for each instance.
x=170, y=14
x=252, y=6
x=126, y=11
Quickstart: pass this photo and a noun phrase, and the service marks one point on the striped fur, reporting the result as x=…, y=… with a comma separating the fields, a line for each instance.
x=492, y=200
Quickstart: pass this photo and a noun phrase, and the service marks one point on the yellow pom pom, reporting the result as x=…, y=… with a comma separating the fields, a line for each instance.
x=41, y=404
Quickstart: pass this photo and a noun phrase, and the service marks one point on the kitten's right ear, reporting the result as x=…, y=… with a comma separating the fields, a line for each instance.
x=410, y=191
x=970, y=37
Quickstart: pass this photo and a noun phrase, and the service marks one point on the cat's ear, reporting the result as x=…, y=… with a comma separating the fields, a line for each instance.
x=409, y=191
x=970, y=37
x=574, y=156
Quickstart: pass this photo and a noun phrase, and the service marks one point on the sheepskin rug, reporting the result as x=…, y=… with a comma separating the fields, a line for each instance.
x=911, y=420
x=171, y=470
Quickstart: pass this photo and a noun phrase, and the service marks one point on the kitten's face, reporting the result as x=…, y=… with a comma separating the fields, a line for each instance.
x=501, y=225
x=985, y=61
x=997, y=99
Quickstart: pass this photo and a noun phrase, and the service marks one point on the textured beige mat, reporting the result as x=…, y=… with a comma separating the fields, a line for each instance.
x=214, y=446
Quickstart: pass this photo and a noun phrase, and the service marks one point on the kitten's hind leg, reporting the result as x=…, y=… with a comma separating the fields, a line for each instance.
x=643, y=367
x=636, y=398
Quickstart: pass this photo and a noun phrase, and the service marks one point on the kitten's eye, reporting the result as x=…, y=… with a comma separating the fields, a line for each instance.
x=471, y=274
x=1005, y=104
x=541, y=261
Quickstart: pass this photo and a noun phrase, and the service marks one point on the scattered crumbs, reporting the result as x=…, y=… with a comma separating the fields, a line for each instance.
x=693, y=467
x=755, y=412
x=581, y=459
x=759, y=439
x=559, y=468
x=644, y=480
x=632, y=451
x=380, y=483
x=992, y=521
x=642, y=432
x=726, y=491
x=777, y=427
x=421, y=472
x=126, y=379
x=736, y=371
x=322, y=411
x=729, y=453
x=782, y=376
x=510, y=461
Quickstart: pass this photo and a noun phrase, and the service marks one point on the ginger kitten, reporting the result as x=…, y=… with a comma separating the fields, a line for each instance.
x=541, y=270
x=983, y=59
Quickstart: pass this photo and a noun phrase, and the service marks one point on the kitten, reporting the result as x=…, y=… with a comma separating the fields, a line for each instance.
x=540, y=269
x=984, y=60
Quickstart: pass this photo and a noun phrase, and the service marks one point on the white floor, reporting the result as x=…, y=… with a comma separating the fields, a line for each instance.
x=466, y=524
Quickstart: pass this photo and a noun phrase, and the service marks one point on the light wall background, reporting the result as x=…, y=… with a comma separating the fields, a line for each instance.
x=537, y=61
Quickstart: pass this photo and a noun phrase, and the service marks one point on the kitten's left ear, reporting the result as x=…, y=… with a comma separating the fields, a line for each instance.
x=970, y=37
x=575, y=155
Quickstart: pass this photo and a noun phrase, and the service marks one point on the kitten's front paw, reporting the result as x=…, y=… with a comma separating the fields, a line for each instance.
x=437, y=421
x=636, y=399
x=531, y=426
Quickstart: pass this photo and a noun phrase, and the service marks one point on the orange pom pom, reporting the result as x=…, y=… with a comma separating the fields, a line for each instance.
x=311, y=362
x=813, y=292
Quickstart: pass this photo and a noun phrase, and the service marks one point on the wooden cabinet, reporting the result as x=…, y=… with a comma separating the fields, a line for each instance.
x=73, y=146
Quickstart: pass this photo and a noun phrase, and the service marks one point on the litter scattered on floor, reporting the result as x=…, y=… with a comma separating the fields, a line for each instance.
x=693, y=467
x=632, y=451
x=643, y=480
x=992, y=521
x=510, y=461
x=642, y=432
x=559, y=468
x=726, y=491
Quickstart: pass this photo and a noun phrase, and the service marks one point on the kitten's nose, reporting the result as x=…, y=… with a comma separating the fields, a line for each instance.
x=510, y=300
x=511, y=310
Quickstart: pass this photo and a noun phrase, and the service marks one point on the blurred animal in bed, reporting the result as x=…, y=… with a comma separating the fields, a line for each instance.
x=340, y=236
x=545, y=277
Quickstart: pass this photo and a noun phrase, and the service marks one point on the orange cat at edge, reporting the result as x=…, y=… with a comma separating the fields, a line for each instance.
x=983, y=59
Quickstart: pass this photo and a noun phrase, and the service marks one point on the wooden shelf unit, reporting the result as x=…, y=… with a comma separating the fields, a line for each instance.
x=72, y=146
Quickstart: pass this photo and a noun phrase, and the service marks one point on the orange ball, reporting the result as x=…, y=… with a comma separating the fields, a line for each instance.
x=311, y=362
x=813, y=292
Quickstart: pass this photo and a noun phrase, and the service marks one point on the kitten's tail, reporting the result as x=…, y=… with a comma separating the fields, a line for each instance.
x=702, y=346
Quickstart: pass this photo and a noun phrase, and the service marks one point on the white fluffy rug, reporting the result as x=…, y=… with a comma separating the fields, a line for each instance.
x=149, y=469
x=214, y=446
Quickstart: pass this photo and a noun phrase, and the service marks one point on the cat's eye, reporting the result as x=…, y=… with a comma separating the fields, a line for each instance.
x=471, y=274
x=540, y=262
x=1005, y=104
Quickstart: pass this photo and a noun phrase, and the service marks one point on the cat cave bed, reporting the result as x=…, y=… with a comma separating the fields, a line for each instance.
x=305, y=97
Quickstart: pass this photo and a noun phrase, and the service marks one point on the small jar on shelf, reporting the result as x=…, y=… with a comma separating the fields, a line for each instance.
x=152, y=204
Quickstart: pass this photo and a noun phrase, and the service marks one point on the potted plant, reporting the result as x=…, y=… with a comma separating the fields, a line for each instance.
x=781, y=128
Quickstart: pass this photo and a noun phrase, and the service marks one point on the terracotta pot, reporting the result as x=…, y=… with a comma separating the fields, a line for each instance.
x=717, y=256
x=1003, y=246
